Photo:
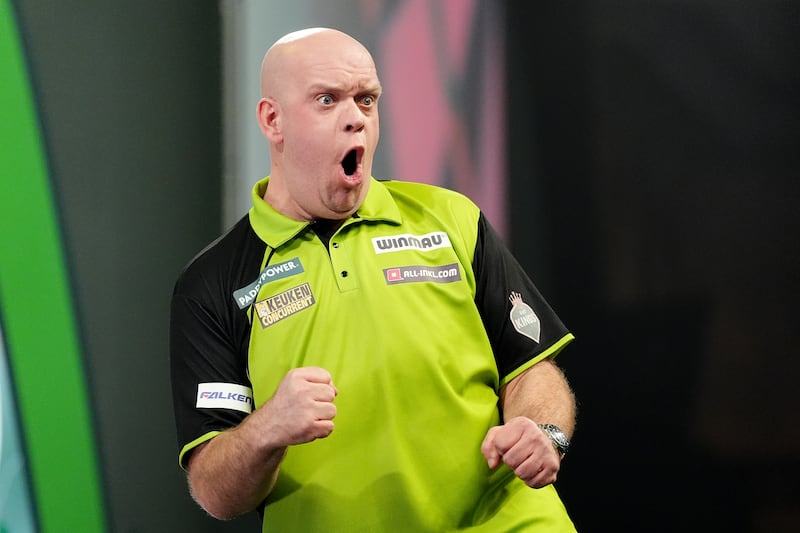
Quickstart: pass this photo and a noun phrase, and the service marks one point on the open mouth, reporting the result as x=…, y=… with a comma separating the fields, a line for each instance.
x=350, y=162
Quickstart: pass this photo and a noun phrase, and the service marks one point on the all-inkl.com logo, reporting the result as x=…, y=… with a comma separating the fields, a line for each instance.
x=420, y=273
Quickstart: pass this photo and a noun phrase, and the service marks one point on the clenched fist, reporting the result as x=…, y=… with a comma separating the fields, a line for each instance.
x=302, y=408
x=525, y=448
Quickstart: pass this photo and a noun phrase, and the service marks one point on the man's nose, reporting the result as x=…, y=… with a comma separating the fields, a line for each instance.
x=353, y=118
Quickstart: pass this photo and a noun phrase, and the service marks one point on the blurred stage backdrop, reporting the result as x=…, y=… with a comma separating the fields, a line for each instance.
x=641, y=159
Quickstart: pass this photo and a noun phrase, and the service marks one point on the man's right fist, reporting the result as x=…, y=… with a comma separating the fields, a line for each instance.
x=302, y=408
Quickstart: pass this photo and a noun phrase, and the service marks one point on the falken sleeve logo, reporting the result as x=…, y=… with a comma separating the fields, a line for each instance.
x=422, y=243
x=225, y=396
x=246, y=295
x=523, y=318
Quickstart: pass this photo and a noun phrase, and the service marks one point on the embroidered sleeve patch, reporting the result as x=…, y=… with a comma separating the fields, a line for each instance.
x=523, y=318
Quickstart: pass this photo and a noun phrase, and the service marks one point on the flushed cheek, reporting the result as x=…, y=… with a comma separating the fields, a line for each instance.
x=366, y=161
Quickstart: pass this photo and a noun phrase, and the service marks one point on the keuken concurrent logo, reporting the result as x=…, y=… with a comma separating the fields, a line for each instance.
x=273, y=309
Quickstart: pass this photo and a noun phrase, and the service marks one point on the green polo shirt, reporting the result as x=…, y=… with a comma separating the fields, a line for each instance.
x=419, y=313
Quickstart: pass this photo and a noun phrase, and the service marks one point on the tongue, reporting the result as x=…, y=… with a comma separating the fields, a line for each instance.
x=349, y=163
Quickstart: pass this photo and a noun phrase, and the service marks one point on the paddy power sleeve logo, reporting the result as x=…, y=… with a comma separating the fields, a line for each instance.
x=245, y=296
x=284, y=304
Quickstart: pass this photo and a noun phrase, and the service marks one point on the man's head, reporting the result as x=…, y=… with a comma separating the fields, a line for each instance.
x=319, y=111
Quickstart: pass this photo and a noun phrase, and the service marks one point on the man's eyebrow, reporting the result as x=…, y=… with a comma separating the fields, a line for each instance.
x=370, y=89
x=373, y=88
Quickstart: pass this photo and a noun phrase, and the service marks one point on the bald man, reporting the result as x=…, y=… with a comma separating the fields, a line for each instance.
x=363, y=355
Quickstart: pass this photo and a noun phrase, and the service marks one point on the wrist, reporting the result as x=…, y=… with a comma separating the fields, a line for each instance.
x=557, y=437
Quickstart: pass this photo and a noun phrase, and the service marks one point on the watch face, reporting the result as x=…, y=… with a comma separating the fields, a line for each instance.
x=558, y=437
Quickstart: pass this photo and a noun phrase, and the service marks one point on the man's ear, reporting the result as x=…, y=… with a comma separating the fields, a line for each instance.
x=269, y=120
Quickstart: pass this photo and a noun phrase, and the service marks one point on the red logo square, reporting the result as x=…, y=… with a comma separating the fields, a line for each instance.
x=393, y=274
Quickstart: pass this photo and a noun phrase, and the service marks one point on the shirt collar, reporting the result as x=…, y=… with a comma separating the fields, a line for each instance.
x=275, y=229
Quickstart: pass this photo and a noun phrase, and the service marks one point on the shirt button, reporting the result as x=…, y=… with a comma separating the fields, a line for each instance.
x=336, y=245
x=344, y=273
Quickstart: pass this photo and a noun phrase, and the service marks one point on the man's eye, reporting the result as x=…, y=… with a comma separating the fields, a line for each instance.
x=368, y=100
x=325, y=99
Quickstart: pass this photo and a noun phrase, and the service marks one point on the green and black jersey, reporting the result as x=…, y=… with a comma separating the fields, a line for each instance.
x=420, y=314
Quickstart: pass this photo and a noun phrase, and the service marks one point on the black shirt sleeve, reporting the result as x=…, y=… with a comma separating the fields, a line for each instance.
x=520, y=324
x=209, y=334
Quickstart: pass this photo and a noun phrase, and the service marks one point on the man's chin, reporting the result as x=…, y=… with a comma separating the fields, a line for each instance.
x=346, y=201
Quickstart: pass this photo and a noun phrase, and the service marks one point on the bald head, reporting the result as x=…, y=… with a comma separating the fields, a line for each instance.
x=319, y=112
x=289, y=53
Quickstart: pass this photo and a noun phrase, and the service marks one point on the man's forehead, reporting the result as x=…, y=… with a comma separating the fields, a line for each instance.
x=338, y=70
x=346, y=55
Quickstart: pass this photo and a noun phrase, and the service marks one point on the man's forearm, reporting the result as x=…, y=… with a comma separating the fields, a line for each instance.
x=542, y=394
x=234, y=472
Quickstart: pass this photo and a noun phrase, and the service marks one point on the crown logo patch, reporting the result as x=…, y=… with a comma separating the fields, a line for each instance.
x=523, y=318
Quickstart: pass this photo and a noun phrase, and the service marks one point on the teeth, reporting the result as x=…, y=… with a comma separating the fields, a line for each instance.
x=349, y=163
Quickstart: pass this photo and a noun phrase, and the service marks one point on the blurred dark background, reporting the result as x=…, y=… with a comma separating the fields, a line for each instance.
x=666, y=138
x=653, y=165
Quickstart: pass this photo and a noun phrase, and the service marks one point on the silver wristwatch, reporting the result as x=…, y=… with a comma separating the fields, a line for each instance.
x=557, y=437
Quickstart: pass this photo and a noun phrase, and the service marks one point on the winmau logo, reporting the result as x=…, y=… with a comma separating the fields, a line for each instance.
x=423, y=243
